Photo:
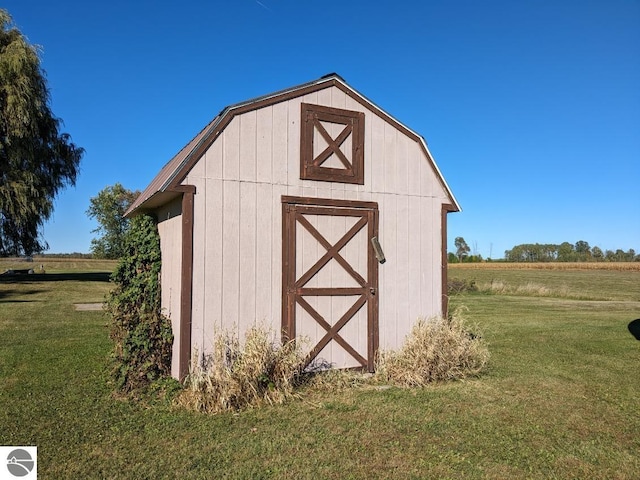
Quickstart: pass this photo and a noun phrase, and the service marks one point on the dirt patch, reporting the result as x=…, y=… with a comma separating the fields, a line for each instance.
x=85, y=307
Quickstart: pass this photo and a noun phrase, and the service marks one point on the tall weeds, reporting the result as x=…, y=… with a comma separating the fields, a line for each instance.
x=435, y=350
x=529, y=289
x=237, y=376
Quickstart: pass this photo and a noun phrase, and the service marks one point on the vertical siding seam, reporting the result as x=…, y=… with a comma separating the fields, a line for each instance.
x=421, y=307
x=238, y=158
x=271, y=216
x=203, y=204
x=255, y=219
x=395, y=267
x=223, y=150
x=238, y=233
x=222, y=278
x=221, y=139
x=270, y=283
x=407, y=274
x=271, y=172
x=286, y=148
x=255, y=249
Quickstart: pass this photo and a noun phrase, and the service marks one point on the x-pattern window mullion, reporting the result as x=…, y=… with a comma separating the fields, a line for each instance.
x=332, y=251
x=333, y=145
x=349, y=168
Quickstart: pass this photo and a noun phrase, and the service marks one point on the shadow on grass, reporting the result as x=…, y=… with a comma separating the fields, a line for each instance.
x=634, y=328
x=7, y=294
x=9, y=300
x=56, y=277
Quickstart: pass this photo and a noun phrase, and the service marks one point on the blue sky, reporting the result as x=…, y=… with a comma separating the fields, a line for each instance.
x=531, y=109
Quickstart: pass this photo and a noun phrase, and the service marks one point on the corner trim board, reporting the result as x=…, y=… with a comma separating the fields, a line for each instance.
x=446, y=208
x=186, y=278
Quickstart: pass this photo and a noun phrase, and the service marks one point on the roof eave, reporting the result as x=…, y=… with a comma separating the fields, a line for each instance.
x=230, y=111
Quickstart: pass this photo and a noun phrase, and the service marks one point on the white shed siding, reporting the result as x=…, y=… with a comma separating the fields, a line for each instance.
x=249, y=236
x=263, y=212
x=264, y=145
x=198, y=313
x=238, y=225
x=231, y=254
x=211, y=262
x=170, y=231
x=280, y=136
x=291, y=156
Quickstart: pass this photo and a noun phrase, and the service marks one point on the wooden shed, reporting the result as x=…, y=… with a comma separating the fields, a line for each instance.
x=311, y=211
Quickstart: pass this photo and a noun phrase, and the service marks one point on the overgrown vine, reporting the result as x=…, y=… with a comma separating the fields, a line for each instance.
x=141, y=334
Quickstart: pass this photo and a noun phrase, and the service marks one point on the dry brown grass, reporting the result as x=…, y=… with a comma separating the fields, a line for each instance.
x=436, y=349
x=335, y=379
x=237, y=376
x=619, y=266
x=530, y=289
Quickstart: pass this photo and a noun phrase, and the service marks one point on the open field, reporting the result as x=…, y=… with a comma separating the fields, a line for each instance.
x=59, y=265
x=560, y=399
x=622, y=266
x=570, y=281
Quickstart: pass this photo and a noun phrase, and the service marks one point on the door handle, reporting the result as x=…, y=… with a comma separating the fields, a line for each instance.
x=378, y=250
x=372, y=290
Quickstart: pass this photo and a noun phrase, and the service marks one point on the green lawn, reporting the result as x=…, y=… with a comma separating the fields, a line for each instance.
x=560, y=398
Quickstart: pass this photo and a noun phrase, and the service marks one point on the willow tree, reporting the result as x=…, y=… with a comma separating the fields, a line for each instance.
x=36, y=159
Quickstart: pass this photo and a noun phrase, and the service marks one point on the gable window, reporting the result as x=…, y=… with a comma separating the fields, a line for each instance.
x=331, y=144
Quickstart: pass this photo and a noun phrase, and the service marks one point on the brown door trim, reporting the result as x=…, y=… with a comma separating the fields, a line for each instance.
x=293, y=290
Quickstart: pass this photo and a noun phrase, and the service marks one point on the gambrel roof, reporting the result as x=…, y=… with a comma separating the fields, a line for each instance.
x=165, y=185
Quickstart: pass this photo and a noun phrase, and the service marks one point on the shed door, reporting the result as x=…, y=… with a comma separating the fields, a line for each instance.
x=330, y=280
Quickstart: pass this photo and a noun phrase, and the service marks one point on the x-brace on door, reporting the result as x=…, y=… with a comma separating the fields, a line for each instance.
x=330, y=279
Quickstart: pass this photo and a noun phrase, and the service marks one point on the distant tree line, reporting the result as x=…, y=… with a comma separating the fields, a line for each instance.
x=567, y=252
x=453, y=258
x=581, y=251
x=87, y=256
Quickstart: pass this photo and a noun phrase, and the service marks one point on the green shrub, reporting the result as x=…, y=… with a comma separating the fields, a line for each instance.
x=435, y=350
x=237, y=376
x=141, y=334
